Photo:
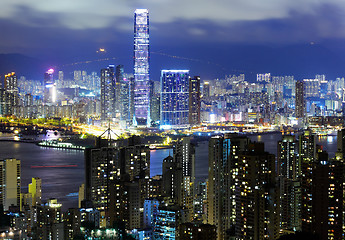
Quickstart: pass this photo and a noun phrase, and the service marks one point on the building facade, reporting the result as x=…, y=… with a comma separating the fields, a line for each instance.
x=141, y=67
x=108, y=93
x=174, y=97
x=10, y=180
x=194, y=100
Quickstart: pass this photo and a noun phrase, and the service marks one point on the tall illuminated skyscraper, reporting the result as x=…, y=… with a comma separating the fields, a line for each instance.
x=49, y=87
x=141, y=67
x=174, y=97
x=107, y=93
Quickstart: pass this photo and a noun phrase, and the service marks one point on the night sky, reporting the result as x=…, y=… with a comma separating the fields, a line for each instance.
x=211, y=38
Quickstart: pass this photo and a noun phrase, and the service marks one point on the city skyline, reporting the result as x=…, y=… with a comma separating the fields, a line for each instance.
x=257, y=135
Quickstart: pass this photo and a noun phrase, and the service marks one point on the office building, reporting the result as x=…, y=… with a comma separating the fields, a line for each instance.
x=141, y=67
x=194, y=101
x=174, y=97
x=10, y=180
x=108, y=93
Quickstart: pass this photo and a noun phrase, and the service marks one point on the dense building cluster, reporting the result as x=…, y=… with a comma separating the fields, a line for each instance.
x=249, y=193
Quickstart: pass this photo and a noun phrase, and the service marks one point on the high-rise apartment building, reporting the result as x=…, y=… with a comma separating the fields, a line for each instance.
x=170, y=177
x=206, y=90
x=256, y=195
x=179, y=177
x=184, y=155
x=10, y=180
x=307, y=158
x=35, y=189
x=289, y=173
x=11, y=96
x=117, y=181
x=61, y=78
x=327, y=203
x=194, y=101
x=300, y=102
x=49, y=223
x=136, y=161
x=108, y=93
x=174, y=97
x=263, y=77
x=166, y=224
x=119, y=78
x=101, y=168
x=77, y=76
x=311, y=87
x=223, y=153
x=141, y=67
x=197, y=231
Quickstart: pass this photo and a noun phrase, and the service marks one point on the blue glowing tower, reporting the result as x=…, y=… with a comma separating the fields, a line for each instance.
x=141, y=67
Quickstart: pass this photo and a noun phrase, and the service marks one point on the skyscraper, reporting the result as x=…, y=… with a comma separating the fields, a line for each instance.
x=107, y=93
x=101, y=167
x=300, y=103
x=218, y=191
x=289, y=173
x=174, y=97
x=184, y=155
x=194, y=100
x=35, y=188
x=307, y=158
x=11, y=93
x=119, y=77
x=256, y=195
x=141, y=67
x=49, y=87
x=10, y=183
x=206, y=90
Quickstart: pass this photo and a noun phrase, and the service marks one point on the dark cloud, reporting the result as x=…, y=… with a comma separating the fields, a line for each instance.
x=212, y=37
